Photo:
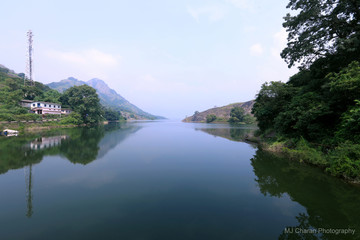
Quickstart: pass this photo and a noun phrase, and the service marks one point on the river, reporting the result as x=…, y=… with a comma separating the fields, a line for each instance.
x=165, y=180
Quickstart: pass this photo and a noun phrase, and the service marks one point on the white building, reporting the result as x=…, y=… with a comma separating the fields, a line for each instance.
x=66, y=111
x=46, y=108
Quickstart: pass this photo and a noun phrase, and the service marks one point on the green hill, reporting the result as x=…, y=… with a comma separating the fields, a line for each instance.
x=220, y=112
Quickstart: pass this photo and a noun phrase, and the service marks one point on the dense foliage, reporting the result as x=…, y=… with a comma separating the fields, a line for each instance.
x=12, y=90
x=317, y=112
x=322, y=29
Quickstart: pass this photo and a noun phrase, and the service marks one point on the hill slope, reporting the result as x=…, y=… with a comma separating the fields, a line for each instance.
x=220, y=112
x=108, y=97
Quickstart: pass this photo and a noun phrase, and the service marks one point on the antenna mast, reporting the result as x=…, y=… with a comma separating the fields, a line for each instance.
x=29, y=62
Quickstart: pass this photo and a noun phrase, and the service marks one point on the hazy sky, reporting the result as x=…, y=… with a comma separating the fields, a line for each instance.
x=169, y=58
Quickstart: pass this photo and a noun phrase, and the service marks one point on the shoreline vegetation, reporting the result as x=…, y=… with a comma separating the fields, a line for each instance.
x=315, y=116
x=331, y=162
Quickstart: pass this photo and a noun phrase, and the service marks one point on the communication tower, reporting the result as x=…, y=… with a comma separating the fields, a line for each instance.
x=29, y=58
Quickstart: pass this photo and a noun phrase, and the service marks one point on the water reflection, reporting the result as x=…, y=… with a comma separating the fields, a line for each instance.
x=47, y=142
x=233, y=133
x=78, y=145
x=329, y=202
x=29, y=197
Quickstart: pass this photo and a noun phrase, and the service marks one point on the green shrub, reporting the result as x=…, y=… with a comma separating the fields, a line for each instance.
x=52, y=116
x=6, y=117
x=72, y=118
x=345, y=161
x=306, y=153
x=349, y=128
x=28, y=117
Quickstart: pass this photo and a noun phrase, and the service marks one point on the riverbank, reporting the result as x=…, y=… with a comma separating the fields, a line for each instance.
x=36, y=126
x=342, y=161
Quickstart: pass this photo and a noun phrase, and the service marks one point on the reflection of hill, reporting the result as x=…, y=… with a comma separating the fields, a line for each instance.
x=117, y=132
x=232, y=133
x=329, y=202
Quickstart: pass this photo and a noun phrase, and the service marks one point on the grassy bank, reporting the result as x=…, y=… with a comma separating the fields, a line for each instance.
x=34, y=126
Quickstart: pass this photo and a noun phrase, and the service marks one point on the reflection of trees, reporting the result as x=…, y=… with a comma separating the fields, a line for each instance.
x=83, y=145
x=330, y=203
x=13, y=154
x=231, y=133
x=296, y=232
x=79, y=145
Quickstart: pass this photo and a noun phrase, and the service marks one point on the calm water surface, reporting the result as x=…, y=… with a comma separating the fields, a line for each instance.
x=164, y=180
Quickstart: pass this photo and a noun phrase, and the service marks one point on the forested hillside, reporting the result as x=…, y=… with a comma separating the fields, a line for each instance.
x=316, y=114
x=12, y=90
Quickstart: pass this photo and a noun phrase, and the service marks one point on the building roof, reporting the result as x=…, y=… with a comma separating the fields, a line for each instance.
x=47, y=102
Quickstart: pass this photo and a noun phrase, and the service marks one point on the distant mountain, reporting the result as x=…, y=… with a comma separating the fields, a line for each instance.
x=108, y=97
x=220, y=112
x=65, y=84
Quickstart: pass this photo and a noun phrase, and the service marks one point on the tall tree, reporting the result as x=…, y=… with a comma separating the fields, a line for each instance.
x=322, y=28
x=85, y=101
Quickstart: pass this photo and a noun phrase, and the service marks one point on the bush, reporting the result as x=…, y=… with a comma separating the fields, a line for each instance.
x=305, y=152
x=72, y=118
x=52, y=116
x=6, y=117
x=28, y=117
x=345, y=161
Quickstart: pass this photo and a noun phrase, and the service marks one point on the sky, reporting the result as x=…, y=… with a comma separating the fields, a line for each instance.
x=170, y=58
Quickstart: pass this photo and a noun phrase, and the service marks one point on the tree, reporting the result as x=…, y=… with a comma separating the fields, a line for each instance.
x=237, y=115
x=320, y=29
x=210, y=118
x=345, y=85
x=270, y=101
x=195, y=116
x=85, y=101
